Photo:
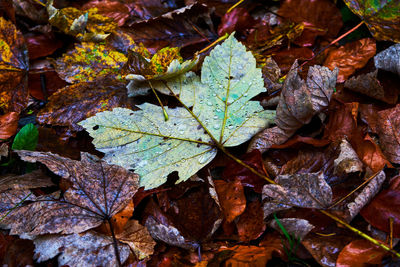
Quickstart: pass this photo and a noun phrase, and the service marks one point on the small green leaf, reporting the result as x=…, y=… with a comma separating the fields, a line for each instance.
x=26, y=138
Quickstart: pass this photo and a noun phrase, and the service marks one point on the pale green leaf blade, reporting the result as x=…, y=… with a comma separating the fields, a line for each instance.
x=233, y=79
x=142, y=140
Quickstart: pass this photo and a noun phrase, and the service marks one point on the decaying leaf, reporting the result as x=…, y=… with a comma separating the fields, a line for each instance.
x=251, y=223
x=383, y=207
x=222, y=114
x=300, y=100
x=360, y=253
x=389, y=133
x=347, y=161
x=247, y=256
x=8, y=125
x=138, y=239
x=298, y=228
x=368, y=84
x=308, y=190
x=84, y=25
x=389, y=59
x=381, y=17
x=87, y=249
x=231, y=198
x=98, y=192
x=30, y=180
x=350, y=57
x=13, y=68
x=89, y=61
x=76, y=102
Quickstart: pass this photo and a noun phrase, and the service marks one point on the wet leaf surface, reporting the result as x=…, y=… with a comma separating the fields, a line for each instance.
x=13, y=68
x=231, y=198
x=8, y=125
x=360, y=253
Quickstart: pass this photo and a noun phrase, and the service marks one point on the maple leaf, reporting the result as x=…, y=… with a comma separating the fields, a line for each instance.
x=13, y=68
x=97, y=193
x=222, y=116
x=89, y=61
x=381, y=17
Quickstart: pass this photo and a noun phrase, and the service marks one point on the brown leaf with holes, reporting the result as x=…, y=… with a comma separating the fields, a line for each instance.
x=76, y=102
x=13, y=68
x=98, y=192
x=350, y=57
x=8, y=125
x=231, y=197
x=360, y=253
x=299, y=101
x=389, y=133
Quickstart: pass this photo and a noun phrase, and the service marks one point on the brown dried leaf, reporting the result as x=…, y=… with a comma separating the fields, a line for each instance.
x=389, y=133
x=77, y=102
x=347, y=161
x=368, y=84
x=87, y=249
x=319, y=17
x=30, y=180
x=138, y=239
x=350, y=57
x=307, y=190
x=389, y=59
x=183, y=27
x=360, y=253
x=231, y=197
x=3, y=150
x=251, y=223
x=8, y=125
x=299, y=228
x=248, y=256
x=300, y=101
x=13, y=68
x=98, y=191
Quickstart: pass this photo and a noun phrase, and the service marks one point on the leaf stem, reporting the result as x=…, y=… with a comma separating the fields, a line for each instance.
x=159, y=101
x=115, y=244
x=234, y=6
x=212, y=44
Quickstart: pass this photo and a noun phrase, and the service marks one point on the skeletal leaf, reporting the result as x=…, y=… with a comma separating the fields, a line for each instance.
x=97, y=193
x=222, y=115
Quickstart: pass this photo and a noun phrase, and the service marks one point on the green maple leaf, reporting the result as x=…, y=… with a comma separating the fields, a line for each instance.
x=382, y=17
x=222, y=115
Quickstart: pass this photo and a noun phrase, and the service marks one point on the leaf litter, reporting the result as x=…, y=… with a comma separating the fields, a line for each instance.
x=327, y=151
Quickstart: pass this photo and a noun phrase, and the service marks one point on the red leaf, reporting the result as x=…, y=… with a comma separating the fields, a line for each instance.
x=8, y=125
x=383, y=207
x=231, y=197
x=41, y=45
x=360, y=253
x=236, y=20
x=389, y=133
x=234, y=171
x=251, y=223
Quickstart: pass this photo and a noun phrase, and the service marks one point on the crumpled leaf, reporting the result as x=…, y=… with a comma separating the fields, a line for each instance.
x=347, y=161
x=389, y=59
x=187, y=26
x=319, y=17
x=350, y=57
x=8, y=125
x=98, y=191
x=13, y=68
x=231, y=198
x=89, y=61
x=382, y=17
x=368, y=84
x=26, y=138
x=296, y=227
x=138, y=239
x=389, y=133
x=299, y=101
x=87, y=249
x=360, y=253
x=76, y=102
x=306, y=190
x=154, y=147
x=85, y=26
x=383, y=207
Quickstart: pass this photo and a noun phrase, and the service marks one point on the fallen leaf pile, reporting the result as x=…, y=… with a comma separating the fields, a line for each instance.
x=199, y=133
